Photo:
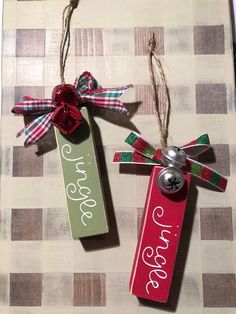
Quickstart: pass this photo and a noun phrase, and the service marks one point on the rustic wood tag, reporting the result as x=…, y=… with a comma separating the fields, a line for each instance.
x=158, y=241
x=83, y=186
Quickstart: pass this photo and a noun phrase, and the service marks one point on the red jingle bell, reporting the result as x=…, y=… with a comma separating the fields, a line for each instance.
x=66, y=117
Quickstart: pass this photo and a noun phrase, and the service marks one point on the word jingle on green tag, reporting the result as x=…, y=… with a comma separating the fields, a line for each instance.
x=83, y=186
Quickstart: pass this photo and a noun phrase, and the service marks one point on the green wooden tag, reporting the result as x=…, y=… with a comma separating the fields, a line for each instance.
x=83, y=187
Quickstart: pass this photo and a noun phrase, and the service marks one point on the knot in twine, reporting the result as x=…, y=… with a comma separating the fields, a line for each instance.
x=74, y=3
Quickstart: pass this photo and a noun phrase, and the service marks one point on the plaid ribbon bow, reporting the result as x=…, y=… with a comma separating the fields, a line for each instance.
x=146, y=154
x=89, y=92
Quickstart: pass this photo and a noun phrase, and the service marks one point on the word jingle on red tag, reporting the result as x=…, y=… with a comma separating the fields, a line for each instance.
x=158, y=241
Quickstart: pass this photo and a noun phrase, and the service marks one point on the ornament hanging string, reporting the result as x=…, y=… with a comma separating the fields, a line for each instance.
x=65, y=37
x=158, y=82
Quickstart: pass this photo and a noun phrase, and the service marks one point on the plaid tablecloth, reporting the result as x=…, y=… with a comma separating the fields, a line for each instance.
x=41, y=269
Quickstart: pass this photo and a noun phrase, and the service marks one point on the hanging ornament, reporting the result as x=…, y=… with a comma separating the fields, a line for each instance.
x=69, y=111
x=166, y=199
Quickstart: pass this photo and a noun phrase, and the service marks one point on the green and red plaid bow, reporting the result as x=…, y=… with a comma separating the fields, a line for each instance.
x=89, y=92
x=146, y=154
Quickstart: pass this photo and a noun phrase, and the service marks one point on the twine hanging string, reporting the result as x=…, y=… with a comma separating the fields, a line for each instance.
x=65, y=38
x=158, y=83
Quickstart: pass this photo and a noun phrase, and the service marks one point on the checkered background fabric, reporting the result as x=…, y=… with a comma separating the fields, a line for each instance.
x=41, y=269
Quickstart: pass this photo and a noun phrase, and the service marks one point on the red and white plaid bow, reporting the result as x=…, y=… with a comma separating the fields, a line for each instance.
x=89, y=92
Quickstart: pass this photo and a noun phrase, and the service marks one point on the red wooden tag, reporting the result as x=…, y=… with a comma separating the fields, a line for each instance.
x=158, y=241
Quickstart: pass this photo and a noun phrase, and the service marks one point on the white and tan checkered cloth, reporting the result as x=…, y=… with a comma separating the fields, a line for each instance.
x=42, y=270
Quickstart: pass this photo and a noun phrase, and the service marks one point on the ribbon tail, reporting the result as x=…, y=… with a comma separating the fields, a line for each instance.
x=206, y=174
x=36, y=129
x=132, y=158
x=107, y=98
x=86, y=82
x=197, y=146
x=143, y=147
x=32, y=106
x=202, y=139
x=105, y=102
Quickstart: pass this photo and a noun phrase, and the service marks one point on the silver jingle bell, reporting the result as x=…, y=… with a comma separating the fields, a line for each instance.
x=173, y=156
x=170, y=180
